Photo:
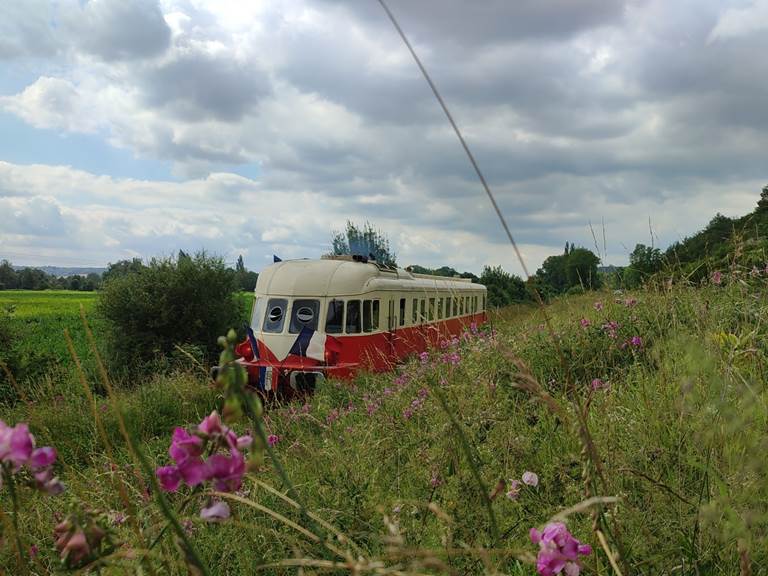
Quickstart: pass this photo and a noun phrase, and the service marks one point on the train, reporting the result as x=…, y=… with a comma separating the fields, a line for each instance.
x=332, y=317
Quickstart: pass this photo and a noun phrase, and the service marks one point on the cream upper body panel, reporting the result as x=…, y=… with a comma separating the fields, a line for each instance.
x=339, y=278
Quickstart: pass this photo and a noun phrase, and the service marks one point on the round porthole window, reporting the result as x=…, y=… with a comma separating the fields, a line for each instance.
x=305, y=314
x=275, y=314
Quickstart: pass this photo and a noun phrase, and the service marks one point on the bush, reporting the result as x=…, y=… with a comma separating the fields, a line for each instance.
x=149, y=309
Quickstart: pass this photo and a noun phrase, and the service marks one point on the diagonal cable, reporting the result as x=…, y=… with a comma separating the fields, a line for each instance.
x=459, y=136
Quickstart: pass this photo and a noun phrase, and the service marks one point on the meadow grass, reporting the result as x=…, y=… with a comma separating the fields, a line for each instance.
x=677, y=421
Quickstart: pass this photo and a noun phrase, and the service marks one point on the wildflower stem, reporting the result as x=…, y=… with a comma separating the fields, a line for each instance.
x=467, y=449
x=167, y=511
x=15, y=518
x=258, y=427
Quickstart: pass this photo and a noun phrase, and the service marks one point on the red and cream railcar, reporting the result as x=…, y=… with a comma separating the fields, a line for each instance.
x=332, y=317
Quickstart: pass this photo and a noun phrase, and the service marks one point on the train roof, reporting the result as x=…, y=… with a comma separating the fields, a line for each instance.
x=344, y=277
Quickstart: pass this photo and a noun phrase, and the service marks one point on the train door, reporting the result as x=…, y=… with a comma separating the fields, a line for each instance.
x=391, y=324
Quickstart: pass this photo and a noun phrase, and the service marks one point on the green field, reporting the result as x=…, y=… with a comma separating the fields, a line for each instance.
x=402, y=464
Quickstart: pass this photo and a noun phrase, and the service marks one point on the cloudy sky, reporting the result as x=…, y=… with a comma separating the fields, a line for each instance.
x=139, y=127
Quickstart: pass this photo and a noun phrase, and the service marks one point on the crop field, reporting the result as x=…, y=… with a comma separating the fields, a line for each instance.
x=642, y=421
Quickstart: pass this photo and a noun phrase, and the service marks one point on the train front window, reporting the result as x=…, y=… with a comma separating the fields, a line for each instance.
x=304, y=314
x=353, y=317
x=275, y=318
x=334, y=322
x=258, y=312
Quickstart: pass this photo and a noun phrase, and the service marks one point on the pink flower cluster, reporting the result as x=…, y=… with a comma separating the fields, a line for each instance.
x=17, y=451
x=187, y=449
x=528, y=478
x=416, y=404
x=611, y=328
x=559, y=551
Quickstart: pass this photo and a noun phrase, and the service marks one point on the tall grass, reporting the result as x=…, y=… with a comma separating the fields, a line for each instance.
x=679, y=425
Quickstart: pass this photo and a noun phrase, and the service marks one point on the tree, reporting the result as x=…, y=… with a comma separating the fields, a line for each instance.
x=363, y=241
x=581, y=268
x=762, y=204
x=553, y=273
x=503, y=288
x=245, y=279
x=121, y=268
x=8, y=277
x=152, y=307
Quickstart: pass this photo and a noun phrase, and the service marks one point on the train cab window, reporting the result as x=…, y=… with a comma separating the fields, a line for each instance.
x=439, y=308
x=370, y=315
x=258, y=312
x=401, y=320
x=431, y=309
x=304, y=314
x=415, y=311
x=275, y=318
x=353, y=323
x=334, y=321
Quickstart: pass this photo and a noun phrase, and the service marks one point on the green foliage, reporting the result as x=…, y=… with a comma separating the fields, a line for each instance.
x=575, y=267
x=363, y=240
x=503, y=288
x=190, y=300
x=245, y=279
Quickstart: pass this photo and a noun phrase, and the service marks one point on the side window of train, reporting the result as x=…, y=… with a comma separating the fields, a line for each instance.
x=439, y=308
x=461, y=306
x=370, y=315
x=431, y=309
x=483, y=308
x=448, y=307
x=415, y=311
x=402, y=312
x=334, y=321
x=275, y=318
x=305, y=313
x=353, y=317
x=423, y=307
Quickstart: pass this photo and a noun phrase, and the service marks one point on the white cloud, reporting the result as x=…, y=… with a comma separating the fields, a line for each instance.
x=741, y=21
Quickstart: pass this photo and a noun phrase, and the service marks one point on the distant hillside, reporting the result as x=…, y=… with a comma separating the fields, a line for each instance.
x=62, y=271
x=723, y=237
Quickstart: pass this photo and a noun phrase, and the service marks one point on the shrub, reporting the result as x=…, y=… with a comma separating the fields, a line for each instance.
x=149, y=309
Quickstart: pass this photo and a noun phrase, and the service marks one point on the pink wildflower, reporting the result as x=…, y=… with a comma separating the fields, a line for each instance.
x=216, y=512
x=585, y=323
x=598, y=384
x=185, y=446
x=514, y=489
x=636, y=342
x=530, y=478
x=717, y=277
x=424, y=357
x=559, y=551
x=630, y=302
x=168, y=477
x=211, y=425
x=226, y=471
x=598, y=305
x=273, y=439
x=17, y=448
